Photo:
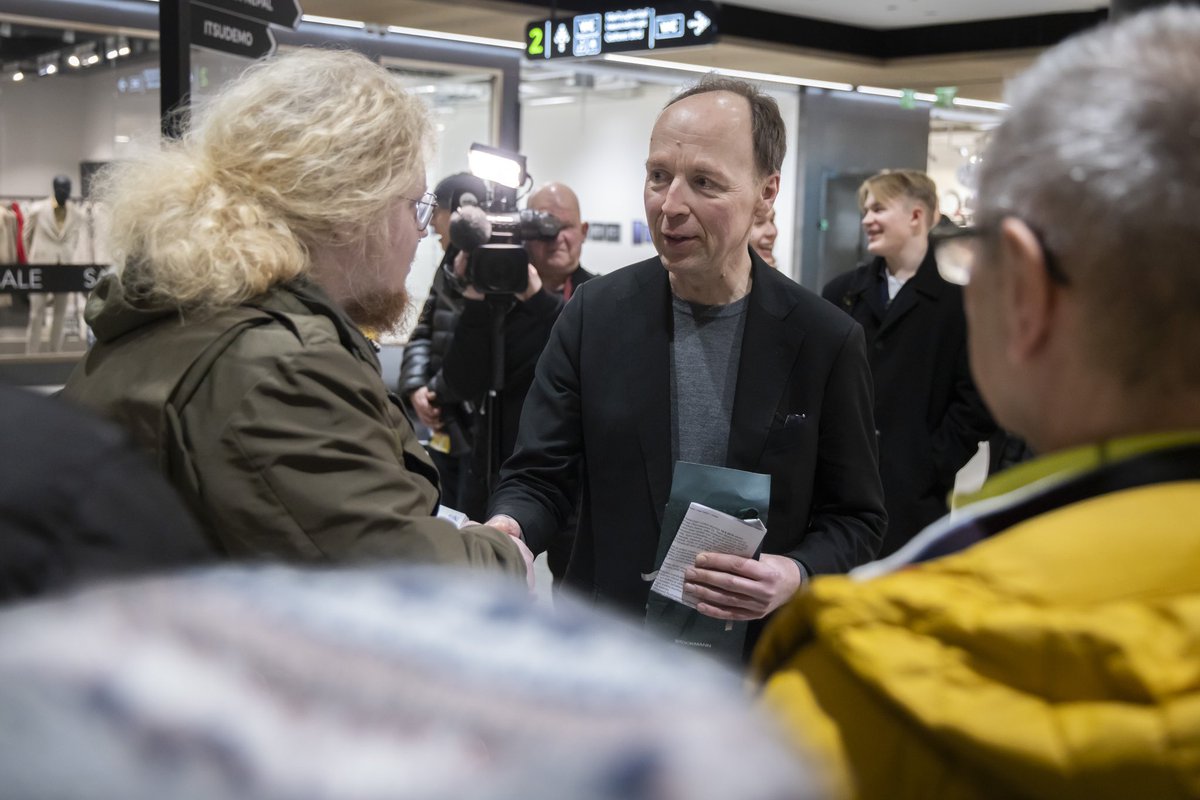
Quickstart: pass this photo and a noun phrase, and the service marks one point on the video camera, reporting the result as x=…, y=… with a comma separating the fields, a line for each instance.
x=491, y=234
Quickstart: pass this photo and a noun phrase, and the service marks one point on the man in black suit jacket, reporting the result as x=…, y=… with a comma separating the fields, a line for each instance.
x=637, y=352
x=929, y=417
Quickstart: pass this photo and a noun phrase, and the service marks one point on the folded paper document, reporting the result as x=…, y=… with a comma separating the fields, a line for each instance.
x=704, y=530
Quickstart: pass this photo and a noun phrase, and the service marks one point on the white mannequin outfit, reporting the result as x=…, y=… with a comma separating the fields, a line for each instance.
x=49, y=241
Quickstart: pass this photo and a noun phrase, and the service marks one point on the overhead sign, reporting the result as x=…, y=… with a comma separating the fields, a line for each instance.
x=228, y=33
x=277, y=12
x=623, y=30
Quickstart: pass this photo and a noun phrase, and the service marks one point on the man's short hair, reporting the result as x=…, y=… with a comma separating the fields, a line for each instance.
x=768, y=132
x=892, y=183
x=1100, y=154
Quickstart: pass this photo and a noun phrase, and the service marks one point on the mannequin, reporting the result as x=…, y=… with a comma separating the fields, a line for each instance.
x=51, y=237
x=62, y=191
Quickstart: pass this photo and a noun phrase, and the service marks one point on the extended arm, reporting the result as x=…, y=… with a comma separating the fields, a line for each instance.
x=311, y=462
x=539, y=482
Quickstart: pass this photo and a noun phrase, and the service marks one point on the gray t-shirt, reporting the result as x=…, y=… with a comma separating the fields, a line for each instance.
x=704, y=365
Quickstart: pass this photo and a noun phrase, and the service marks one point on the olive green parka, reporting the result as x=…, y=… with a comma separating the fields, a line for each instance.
x=272, y=421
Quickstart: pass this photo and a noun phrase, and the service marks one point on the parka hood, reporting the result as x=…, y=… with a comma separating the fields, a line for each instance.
x=110, y=314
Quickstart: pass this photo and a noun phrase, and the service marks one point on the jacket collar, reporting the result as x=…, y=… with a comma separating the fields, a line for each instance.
x=770, y=346
x=770, y=337
x=111, y=314
x=926, y=286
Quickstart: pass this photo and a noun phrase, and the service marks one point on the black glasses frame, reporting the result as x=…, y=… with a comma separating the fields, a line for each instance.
x=1053, y=267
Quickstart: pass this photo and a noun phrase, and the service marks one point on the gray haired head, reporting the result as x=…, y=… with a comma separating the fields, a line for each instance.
x=1101, y=153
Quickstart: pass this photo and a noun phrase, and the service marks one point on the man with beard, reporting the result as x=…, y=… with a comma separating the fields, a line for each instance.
x=256, y=257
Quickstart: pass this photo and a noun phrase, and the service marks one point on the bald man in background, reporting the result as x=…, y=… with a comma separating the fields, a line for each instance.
x=554, y=275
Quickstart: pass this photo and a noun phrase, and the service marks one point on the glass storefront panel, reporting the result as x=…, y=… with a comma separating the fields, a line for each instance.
x=70, y=102
x=101, y=101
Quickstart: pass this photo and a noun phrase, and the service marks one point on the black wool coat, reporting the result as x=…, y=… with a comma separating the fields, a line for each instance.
x=928, y=415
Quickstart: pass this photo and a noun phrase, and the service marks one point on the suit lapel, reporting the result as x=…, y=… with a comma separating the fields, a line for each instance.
x=770, y=345
x=922, y=287
x=645, y=355
x=872, y=293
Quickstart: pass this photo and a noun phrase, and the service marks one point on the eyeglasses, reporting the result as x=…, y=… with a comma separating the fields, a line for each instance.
x=424, y=208
x=956, y=251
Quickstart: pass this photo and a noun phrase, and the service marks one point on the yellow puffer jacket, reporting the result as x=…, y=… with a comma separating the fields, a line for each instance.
x=1060, y=659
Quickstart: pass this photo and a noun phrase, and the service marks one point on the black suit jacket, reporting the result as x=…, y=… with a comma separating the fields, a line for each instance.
x=929, y=416
x=601, y=400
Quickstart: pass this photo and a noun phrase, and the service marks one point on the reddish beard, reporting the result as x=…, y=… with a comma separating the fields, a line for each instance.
x=381, y=313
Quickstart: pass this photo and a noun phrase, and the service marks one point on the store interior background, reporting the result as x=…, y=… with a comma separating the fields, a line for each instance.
x=583, y=123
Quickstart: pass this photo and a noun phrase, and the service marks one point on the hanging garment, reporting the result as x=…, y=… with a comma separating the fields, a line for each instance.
x=8, y=236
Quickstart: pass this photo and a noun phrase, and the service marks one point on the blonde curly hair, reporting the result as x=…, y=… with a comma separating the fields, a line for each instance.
x=301, y=150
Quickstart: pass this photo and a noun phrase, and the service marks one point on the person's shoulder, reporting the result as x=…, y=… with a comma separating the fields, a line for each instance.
x=846, y=281
x=35, y=420
x=581, y=275
x=297, y=318
x=279, y=334
x=620, y=283
x=807, y=307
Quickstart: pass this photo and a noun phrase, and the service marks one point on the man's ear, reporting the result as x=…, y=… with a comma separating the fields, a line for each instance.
x=766, y=197
x=1029, y=294
x=584, y=227
x=917, y=216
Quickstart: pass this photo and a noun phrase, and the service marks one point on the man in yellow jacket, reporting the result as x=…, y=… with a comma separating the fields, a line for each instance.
x=1044, y=640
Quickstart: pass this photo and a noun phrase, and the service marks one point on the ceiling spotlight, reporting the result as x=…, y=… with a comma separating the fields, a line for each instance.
x=73, y=60
x=18, y=76
x=47, y=64
x=123, y=51
x=92, y=59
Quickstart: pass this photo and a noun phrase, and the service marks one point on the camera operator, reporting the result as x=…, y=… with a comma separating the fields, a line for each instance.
x=421, y=383
x=554, y=273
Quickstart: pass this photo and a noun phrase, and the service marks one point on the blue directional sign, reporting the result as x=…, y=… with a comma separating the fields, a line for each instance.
x=672, y=24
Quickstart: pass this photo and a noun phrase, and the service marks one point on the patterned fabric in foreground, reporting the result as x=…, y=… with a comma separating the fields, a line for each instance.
x=271, y=682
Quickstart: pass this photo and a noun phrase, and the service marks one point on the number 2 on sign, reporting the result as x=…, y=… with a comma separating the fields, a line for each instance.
x=535, y=42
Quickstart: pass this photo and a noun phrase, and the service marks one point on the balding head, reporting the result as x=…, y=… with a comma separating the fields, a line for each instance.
x=555, y=260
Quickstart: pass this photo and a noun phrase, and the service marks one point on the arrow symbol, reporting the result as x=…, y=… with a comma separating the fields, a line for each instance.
x=699, y=23
x=562, y=38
